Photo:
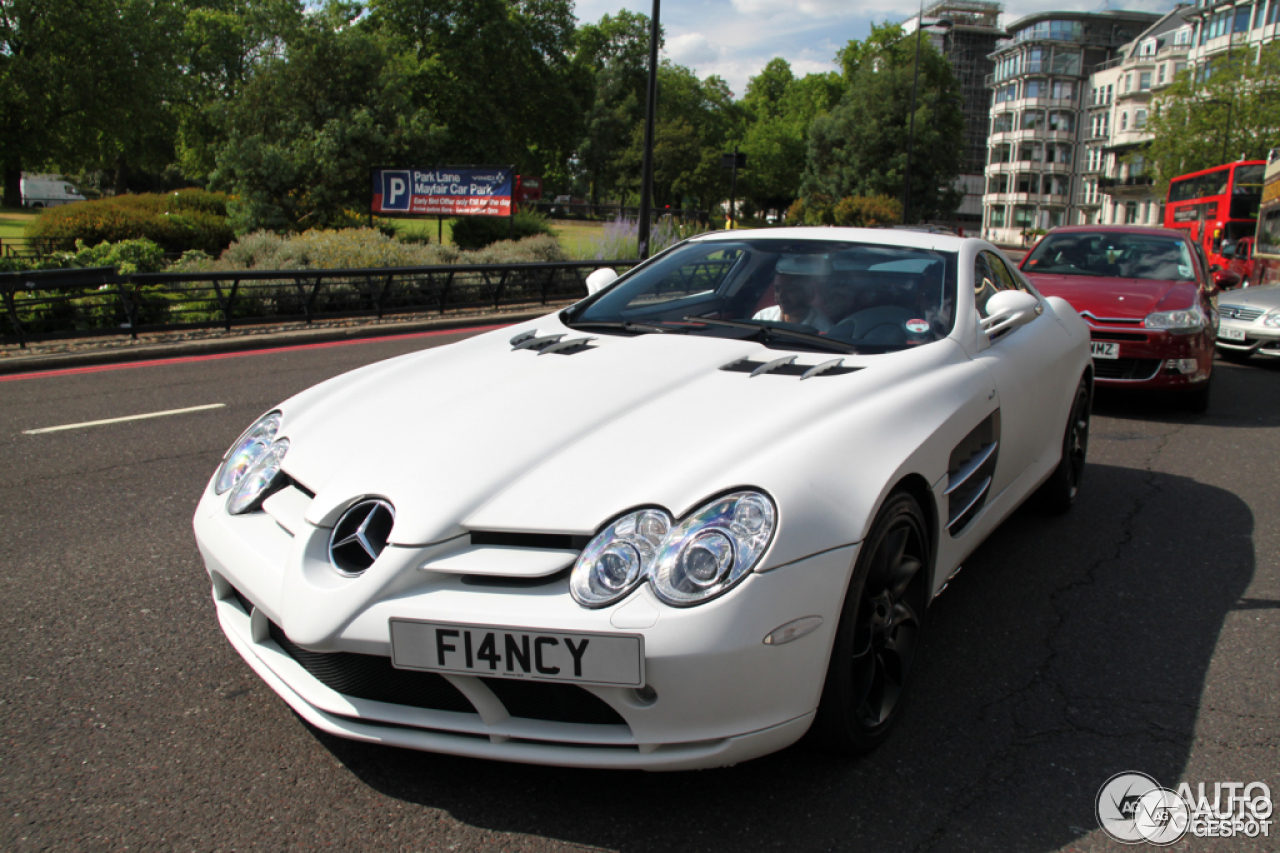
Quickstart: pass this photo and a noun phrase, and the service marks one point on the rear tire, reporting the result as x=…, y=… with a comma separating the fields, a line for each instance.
x=879, y=632
x=1058, y=493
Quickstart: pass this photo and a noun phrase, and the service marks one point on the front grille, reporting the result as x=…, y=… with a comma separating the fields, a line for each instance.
x=1132, y=337
x=558, y=703
x=1131, y=369
x=1240, y=312
x=373, y=677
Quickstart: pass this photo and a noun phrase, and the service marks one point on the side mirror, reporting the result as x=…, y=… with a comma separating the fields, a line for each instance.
x=1212, y=268
x=600, y=279
x=1009, y=309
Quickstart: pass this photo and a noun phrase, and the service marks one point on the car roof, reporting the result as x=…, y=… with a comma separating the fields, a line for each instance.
x=1119, y=229
x=909, y=239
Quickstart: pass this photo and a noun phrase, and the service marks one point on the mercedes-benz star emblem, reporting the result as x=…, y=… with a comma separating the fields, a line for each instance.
x=360, y=536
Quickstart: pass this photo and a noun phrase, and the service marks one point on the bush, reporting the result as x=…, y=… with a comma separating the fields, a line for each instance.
x=360, y=248
x=620, y=240
x=476, y=232
x=848, y=212
x=177, y=222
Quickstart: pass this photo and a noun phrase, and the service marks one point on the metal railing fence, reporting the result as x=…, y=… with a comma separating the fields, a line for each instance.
x=53, y=304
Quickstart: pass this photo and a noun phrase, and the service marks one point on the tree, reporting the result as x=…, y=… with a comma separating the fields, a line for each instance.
x=615, y=53
x=1211, y=115
x=780, y=109
x=696, y=123
x=309, y=126
x=82, y=79
x=224, y=42
x=859, y=149
x=498, y=74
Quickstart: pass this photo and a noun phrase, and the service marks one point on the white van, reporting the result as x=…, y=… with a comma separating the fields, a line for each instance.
x=47, y=191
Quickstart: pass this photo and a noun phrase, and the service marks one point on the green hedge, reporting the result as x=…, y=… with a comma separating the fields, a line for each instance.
x=476, y=232
x=177, y=222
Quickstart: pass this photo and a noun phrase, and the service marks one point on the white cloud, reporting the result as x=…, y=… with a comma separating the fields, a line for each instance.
x=808, y=8
x=735, y=38
x=693, y=50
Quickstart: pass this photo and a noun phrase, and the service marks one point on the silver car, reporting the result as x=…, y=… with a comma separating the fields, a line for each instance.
x=1249, y=323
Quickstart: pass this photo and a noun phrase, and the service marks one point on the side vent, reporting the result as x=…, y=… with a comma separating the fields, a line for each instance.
x=969, y=473
x=786, y=366
x=545, y=344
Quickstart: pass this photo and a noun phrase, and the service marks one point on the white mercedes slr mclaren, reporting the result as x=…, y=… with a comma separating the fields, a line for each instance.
x=679, y=524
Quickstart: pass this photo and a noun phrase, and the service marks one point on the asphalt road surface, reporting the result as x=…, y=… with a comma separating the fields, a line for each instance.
x=1139, y=632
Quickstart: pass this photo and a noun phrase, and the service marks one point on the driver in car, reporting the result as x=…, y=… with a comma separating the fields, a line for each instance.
x=796, y=280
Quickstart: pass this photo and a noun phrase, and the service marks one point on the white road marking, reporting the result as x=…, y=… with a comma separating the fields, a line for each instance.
x=122, y=420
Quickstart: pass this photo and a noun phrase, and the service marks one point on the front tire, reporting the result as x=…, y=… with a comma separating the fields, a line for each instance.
x=1058, y=493
x=1196, y=400
x=879, y=631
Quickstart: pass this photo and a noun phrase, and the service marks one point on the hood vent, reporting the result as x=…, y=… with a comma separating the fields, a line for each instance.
x=786, y=366
x=545, y=344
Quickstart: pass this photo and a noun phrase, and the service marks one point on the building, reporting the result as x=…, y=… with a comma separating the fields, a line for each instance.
x=1038, y=115
x=1117, y=186
x=974, y=33
x=1234, y=25
x=1116, y=183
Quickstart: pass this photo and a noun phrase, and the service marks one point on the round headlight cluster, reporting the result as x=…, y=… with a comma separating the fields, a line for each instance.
x=258, y=480
x=687, y=562
x=247, y=450
x=252, y=465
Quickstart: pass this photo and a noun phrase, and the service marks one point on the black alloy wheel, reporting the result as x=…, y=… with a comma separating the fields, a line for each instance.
x=1058, y=493
x=879, y=631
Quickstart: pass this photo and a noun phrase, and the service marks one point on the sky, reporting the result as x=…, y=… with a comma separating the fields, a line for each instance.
x=735, y=38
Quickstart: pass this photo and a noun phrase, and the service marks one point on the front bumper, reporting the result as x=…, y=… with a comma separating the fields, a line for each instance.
x=1248, y=336
x=715, y=693
x=1151, y=359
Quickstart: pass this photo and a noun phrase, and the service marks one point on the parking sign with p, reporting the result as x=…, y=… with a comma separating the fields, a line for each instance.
x=397, y=190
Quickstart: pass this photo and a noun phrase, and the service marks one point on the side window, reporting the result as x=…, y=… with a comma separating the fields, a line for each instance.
x=984, y=282
x=1005, y=280
x=1204, y=263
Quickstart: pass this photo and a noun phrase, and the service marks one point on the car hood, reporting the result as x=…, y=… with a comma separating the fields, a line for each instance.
x=1265, y=298
x=478, y=435
x=1116, y=298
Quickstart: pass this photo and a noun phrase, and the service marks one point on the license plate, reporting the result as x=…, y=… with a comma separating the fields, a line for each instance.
x=1230, y=334
x=1104, y=349
x=494, y=651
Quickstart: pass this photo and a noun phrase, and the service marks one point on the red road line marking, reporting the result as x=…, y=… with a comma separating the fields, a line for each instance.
x=99, y=368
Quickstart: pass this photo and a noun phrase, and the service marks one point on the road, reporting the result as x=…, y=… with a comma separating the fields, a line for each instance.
x=1138, y=632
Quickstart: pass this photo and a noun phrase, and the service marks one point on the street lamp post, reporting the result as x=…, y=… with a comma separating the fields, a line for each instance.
x=911, y=126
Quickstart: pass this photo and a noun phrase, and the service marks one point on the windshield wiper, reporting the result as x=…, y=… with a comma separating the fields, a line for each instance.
x=769, y=332
x=626, y=326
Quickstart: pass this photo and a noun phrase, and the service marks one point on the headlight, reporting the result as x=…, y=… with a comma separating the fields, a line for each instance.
x=617, y=560
x=257, y=481
x=1271, y=321
x=687, y=563
x=1185, y=322
x=247, y=450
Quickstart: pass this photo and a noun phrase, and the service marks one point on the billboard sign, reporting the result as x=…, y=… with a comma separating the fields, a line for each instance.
x=444, y=191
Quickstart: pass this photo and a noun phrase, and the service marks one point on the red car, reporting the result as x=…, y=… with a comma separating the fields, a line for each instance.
x=1146, y=294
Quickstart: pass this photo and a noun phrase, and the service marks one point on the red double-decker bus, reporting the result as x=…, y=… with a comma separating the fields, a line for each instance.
x=1216, y=204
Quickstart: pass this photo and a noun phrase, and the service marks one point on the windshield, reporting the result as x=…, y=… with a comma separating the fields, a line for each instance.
x=1118, y=255
x=807, y=294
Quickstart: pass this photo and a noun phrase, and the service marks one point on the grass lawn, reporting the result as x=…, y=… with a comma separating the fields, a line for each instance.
x=430, y=227
x=13, y=222
x=577, y=238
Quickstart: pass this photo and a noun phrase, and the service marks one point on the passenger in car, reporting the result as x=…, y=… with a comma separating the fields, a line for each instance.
x=796, y=281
